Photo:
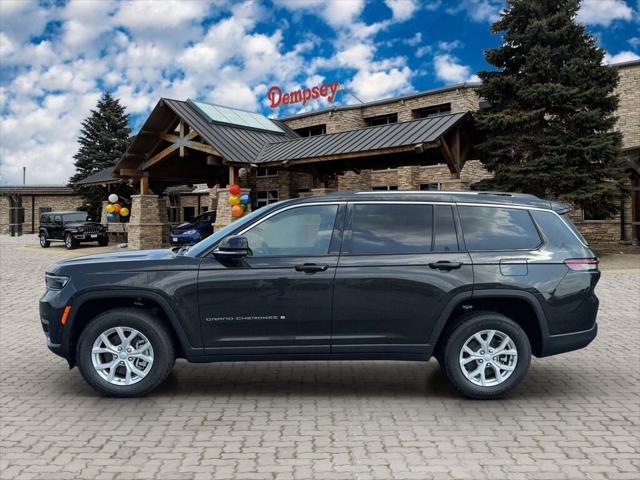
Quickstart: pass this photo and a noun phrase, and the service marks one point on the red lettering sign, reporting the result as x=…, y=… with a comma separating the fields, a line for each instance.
x=277, y=98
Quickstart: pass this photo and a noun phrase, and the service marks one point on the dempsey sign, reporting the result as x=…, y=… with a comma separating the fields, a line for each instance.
x=277, y=98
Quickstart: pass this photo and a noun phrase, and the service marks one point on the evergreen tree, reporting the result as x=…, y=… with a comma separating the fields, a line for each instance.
x=103, y=139
x=548, y=130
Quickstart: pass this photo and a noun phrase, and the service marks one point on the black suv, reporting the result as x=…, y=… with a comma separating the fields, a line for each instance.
x=479, y=280
x=70, y=228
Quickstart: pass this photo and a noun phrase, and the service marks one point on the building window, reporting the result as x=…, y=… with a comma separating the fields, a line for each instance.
x=266, y=172
x=431, y=111
x=266, y=197
x=593, y=214
x=384, y=188
x=203, y=210
x=430, y=186
x=382, y=119
x=188, y=213
x=312, y=131
x=173, y=208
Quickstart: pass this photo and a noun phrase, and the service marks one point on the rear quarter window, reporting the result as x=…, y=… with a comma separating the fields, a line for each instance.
x=498, y=228
x=557, y=232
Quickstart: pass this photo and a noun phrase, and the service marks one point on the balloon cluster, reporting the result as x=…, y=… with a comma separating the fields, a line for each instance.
x=239, y=203
x=114, y=209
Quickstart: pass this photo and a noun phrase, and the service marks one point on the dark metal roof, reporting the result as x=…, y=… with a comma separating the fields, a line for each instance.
x=36, y=189
x=235, y=144
x=381, y=137
x=101, y=177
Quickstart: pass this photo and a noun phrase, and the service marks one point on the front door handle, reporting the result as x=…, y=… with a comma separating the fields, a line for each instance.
x=311, y=268
x=445, y=265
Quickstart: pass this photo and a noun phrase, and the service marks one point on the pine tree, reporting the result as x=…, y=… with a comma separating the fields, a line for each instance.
x=103, y=139
x=549, y=127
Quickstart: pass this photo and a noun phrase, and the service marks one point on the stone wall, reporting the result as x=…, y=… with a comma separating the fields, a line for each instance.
x=629, y=107
x=57, y=203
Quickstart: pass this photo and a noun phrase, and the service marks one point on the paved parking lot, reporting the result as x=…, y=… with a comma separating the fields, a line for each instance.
x=577, y=416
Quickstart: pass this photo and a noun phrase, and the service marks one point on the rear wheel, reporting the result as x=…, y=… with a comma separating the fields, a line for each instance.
x=44, y=243
x=103, y=242
x=486, y=355
x=70, y=242
x=125, y=353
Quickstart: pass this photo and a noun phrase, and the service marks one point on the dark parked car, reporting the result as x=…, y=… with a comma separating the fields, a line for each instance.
x=481, y=281
x=71, y=228
x=194, y=230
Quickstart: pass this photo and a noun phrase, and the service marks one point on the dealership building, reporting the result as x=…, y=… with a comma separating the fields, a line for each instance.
x=188, y=152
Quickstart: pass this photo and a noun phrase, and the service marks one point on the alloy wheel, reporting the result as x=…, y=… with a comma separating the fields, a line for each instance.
x=488, y=358
x=122, y=355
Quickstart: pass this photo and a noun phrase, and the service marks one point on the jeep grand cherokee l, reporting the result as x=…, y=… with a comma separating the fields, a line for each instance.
x=480, y=281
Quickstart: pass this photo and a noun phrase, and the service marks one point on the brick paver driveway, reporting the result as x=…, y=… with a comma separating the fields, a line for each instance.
x=576, y=416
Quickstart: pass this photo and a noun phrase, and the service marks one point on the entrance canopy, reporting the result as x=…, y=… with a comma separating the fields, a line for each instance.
x=191, y=142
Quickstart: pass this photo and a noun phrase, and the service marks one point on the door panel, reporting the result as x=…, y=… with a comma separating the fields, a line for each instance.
x=392, y=302
x=277, y=300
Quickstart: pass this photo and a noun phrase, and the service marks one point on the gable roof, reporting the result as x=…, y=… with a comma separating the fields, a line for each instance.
x=376, y=138
x=101, y=177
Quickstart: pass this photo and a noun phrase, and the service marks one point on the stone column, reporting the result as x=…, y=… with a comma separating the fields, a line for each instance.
x=223, y=211
x=321, y=191
x=407, y=178
x=103, y=213
x=149, y=224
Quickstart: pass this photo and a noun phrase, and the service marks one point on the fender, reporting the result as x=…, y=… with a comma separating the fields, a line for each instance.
x=82, y=298
x=500, y=293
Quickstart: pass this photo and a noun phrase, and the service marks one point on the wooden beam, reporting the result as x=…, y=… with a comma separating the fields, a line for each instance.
x=456, y=149
x=202, y=147
x=159, y=156
x=448, y=156
x=181, y=145
x=233, y=175
x=144, y=185
x=130, y=172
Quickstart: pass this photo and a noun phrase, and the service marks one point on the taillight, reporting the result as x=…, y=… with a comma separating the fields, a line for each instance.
x=582, y=264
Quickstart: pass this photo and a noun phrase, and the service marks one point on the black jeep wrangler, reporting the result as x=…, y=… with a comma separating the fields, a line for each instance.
x=480, y=281
x=70, y=228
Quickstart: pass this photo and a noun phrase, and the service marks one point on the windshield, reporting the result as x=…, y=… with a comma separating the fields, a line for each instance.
x=75, y=217
x=211, y=240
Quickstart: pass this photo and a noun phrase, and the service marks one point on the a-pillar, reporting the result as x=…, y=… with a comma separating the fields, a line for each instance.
x=223, y=210
x=149, y=224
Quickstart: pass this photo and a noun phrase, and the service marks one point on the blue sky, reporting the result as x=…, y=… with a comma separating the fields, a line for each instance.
x=57, y=57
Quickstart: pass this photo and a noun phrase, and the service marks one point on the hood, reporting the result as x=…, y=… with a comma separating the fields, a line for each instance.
x=81, y=224
x=185, y=226
x=131, y=256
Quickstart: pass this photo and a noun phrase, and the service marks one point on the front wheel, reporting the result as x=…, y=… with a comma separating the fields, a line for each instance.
x=70, y=242
x=103, y=242
x=125, y=352
x=486, y=355
x=44, y=243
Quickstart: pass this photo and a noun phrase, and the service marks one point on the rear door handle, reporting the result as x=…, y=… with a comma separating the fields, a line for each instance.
x=311, y=268
x=445, y=265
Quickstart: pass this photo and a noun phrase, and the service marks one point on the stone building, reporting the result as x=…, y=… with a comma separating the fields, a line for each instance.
x=187, y=152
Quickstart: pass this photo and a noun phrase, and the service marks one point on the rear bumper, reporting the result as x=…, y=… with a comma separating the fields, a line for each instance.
x=568, y=342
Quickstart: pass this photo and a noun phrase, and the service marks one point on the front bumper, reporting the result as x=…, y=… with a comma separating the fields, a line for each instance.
x=568, y=342
x=90, y=237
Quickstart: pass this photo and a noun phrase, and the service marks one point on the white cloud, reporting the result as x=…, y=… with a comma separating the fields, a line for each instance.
x=449, y=69
x=626, y=56
x=373, y=85
x=603, y=12
x=402, y=10
x=478, y=10
x=634, y=42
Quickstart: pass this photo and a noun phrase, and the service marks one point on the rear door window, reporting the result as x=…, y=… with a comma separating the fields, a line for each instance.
x=498, y=228
x=390, y=229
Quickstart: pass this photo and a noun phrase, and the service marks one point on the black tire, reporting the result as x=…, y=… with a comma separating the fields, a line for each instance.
x=44, y=243
x=152, y=328
x=103, y=242
x=70, y=242
x=463, y=329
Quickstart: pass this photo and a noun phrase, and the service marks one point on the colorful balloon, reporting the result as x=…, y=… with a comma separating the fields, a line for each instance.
x=113, y=198
x=245, y=199
x=234, y=189
x=112, y=217
x=124, y=211
x=116, y=207
x=234, y=200
x=109, y=208
x=236, y=211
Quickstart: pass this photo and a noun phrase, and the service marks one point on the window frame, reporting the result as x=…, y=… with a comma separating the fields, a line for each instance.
x=267, y=174
x=416, y=113
x=541, y=237
x=347, y=231
x=387, y=117
x=335, y=242
x=268, y=200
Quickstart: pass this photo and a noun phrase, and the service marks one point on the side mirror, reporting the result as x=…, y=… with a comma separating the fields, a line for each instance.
x=235, y=246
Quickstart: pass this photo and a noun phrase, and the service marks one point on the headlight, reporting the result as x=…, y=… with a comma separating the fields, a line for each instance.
x=190, y=232
x=55, y=282
x=80, y=229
